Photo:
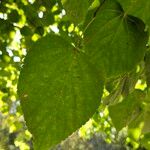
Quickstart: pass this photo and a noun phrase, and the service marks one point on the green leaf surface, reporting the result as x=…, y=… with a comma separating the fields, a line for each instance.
x=146, y=128
x=144, y=116
x=137, y=8
x=48, y=19
x=147, y=68
x=114, y=41
x=14, y=16
x=59, y=90
x=76, y=10
x=145, y=141
x=128, y=110
x=26, y=31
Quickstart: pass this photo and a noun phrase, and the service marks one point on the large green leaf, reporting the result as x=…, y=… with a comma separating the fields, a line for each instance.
x=128, y=110
x=114, y=40
x=137, y=8
x=59, y=90
x=76, y=9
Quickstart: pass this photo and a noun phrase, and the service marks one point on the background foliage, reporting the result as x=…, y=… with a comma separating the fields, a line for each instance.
x=123, y=116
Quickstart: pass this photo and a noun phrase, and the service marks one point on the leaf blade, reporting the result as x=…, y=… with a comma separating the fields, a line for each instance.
x=59, y=90
x=137, y=8
x=76, y=10
x=112, y=38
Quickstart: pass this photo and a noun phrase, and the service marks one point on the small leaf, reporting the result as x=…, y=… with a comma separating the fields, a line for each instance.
x=76, y=10
x=39, y=30
x=128, y=110
x=145, y=141
x=147, y=68
x=47, y=19
x=146, y=128
x=115, y=41
x=5, y=27
x=26, y=31
x=59, y=90
x=14, y=16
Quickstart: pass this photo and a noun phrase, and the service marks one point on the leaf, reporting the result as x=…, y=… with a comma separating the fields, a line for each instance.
x=39, y=30
x=76, y=10
x=137, y=8
x=147, y=68
x=47, y=3
x=144, y=117
x=128, y=110
x=146, y=128
x=89, y=17
x=115, y=96
x=14, y=16
x=59, y=90
x=5, y=27
x=114, y=41
x=95, y=4
x=48, y=19
x=26, y=31
x=145, y=141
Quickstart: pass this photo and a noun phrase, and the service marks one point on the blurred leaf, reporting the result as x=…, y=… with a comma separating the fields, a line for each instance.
x=26, y=31
x=76, y=10
x=134, y=133
x=48, y=19
x=128, y=110
x=32, y=16
x=115, y=95
x=59, y=90
x=120, y=87
x=39, y=30
x=147, y=68
x=14, y=16
x=90, y=16
x=145, y=141
x=5, y=26
x=6, y=58
x=146, y=118
x=95, y=4
x=47, y=3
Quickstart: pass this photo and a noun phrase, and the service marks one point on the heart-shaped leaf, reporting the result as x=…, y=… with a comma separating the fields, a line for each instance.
x=114, y=40
x=59, y=90
x=137, y=8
